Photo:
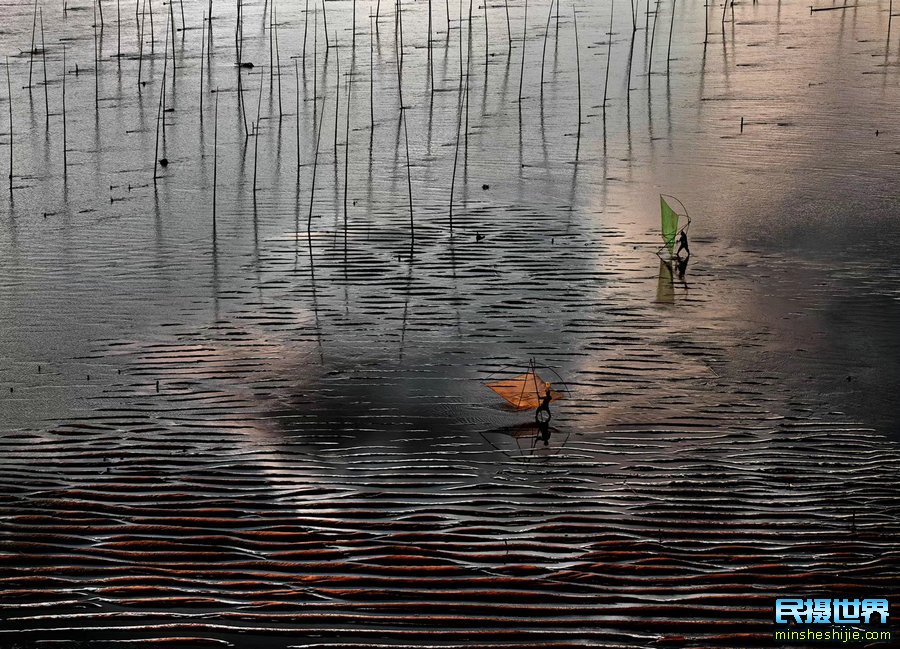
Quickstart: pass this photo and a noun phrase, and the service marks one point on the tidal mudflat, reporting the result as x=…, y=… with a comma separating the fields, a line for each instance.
x=255, y=272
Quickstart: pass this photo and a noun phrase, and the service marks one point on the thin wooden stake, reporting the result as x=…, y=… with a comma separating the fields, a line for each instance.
x=508, y=27
x=578, y=69
x=337, y=93
x=9, y=92
x=215, y=159
x=671, y=29
x=347, y=150
x=297, y=81
x=119, y=31
x=412, y=224
x=65, y=145
x=278, y=64
x=612, y=9
x=202, y=52
x=31, y=51
x=544, y=49
x=522, y=68
x=44, y=60
x=256, y=133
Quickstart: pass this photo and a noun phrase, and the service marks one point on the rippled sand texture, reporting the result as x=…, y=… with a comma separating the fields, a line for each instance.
x=270, y=435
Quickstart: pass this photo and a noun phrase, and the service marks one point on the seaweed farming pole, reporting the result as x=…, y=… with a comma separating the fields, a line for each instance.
x=297, y=82
x=652, y=38
x=353, y=25
x=890, y=15
x=544, y=49
x=578, y=76
x=215, y=159
x=671, y=29
x=160, y=112
x=371, y=80
x=612, y=11
x=65, y=147
x=44, y=60
x=412, y=224
x=96, y=65
x=140, y=35
x=337, y=92
x=347, y=149
x=256, y=133
x=522, y=67
x=119, y=31
x=305, y=28
x=508, y=28
x=484, y=6
x=31, y=51
x=312, y=189
x=430, y=60
x=705, y=24
x=315, y=66
x=325, y=25
x=455, y=155
x=100, y=7
x=278, y=65
x=202, y=52
x=9, y=92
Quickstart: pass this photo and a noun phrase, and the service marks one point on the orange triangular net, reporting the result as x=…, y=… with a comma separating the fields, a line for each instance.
x=524, y=391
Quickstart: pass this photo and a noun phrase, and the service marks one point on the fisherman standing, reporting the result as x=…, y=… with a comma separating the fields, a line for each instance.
x=683, y=244
x=544, y=407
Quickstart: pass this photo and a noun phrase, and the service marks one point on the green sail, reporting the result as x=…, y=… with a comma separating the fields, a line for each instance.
x=669, y=223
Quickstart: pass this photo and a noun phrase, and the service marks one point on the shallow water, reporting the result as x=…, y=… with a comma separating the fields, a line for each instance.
x=283, y=431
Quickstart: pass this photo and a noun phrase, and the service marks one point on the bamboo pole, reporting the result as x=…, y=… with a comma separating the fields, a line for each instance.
x=522, y=68
x=544, y=49
x=671, y=29
x=371, y=80
x=202, y=52
x=44, y=60
x=297, y=97
x=160, y=112
x=612, y=10
x=9, y=92
x=486, y=52
x=652, y=38
x=337, y=93
x=412, y=225
x=65, y=145
x=141, y=41
x=96, y=65
x=119, y=31
x=278, y=64
x=31, y=51
x=508, y=27
x=256, y=134
x=347, y=150
x=215, y=159
x=456, y=154
x=312, y=189
x=305, y=27
x=578, y=70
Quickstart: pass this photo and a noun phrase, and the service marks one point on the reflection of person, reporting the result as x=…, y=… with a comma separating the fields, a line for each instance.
x=683, y=244
x=681, y=266
x=544, y=408
x=544, y=430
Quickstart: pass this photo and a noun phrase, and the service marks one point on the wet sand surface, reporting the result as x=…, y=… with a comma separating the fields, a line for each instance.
x=273, y=436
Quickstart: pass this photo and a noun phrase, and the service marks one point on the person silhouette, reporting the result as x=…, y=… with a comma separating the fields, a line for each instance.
x=683, y=244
